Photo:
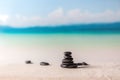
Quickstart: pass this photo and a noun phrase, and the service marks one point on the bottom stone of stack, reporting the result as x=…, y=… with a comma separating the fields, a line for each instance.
x=69, y=66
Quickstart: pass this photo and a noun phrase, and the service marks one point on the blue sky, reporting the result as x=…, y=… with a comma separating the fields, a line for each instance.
x=55, y=12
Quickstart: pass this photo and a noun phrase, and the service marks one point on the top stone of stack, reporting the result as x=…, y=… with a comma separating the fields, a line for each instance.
x=67, y=53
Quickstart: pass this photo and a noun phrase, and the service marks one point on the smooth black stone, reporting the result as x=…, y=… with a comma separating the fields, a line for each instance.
x=84, y=63
x=44, y=63
x=66, y=61
x=28, y=62
x=69, y=66
x=79, y=63
x=67, y=56
x=67, y=53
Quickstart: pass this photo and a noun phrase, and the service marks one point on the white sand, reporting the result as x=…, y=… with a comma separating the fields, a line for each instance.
x=54, y=72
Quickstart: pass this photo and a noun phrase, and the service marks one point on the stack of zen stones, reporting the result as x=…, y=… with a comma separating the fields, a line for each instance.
x=68, y=62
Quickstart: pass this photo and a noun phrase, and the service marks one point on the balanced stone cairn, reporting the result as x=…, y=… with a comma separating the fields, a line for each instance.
x=68, y=62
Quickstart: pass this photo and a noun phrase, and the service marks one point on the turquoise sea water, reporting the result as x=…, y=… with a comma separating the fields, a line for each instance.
x=62, y=39
x=94, y=47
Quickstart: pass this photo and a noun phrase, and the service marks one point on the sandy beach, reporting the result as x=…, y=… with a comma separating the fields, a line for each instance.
x=101, y=52
x=98, y=51
x=55, y=72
